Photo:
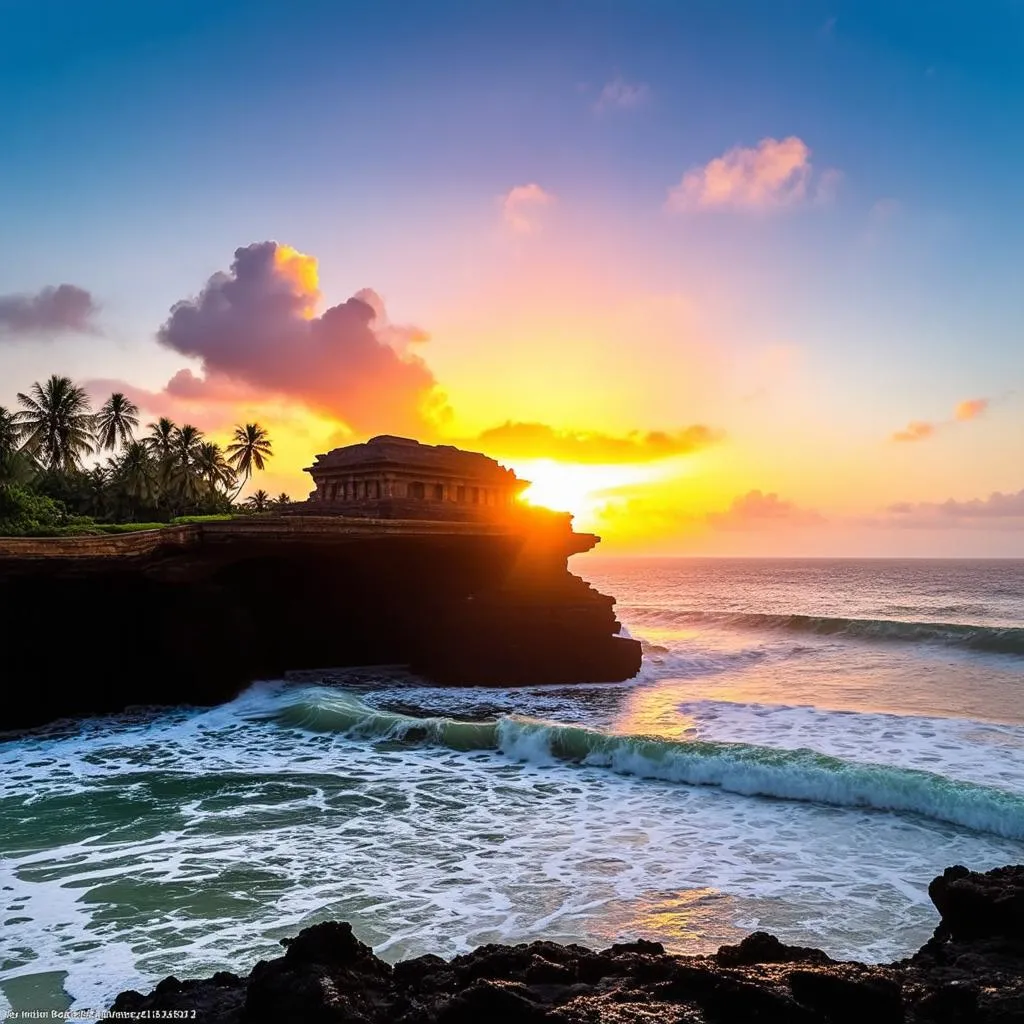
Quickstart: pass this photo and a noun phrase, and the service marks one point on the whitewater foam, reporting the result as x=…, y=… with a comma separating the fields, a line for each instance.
x=986, y=753
x=192, y=842
x=747, y=769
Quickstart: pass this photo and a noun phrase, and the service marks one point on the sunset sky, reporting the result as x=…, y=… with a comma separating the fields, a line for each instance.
x=721, y=277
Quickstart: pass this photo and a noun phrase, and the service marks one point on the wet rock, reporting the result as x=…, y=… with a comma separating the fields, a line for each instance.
x=762, y=948
x=972, y=972
x=977, y=905
x=496, y=1002
x=849, y=996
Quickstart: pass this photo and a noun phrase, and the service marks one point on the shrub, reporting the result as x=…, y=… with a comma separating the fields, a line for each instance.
x=26, y=514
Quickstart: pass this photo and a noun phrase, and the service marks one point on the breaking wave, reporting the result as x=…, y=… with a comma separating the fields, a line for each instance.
x=990, y=639
x=742, y=768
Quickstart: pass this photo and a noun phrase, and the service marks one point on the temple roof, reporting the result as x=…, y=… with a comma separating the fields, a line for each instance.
x=403, y=453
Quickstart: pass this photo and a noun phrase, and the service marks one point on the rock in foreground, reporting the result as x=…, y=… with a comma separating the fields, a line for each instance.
x=972, y=970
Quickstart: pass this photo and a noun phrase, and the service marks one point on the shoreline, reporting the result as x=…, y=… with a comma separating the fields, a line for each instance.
x=972, y=969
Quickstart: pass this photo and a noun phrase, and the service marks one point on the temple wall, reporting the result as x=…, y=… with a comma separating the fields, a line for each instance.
x=351, y=488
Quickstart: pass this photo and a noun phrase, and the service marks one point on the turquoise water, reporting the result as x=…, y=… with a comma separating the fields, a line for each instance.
x=806, y=745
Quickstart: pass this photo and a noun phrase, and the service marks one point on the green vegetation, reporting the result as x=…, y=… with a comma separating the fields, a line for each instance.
x=24, y=513
x=129, y=527
x=171, y=475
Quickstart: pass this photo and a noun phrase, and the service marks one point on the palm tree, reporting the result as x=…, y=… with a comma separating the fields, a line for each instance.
x=250, y=447
x=116, y=421
x=160, y=438
x=96, y=487
x=281, y=500
x=13, y=465
x=136, y=475
x=258, y=502
x=160, y=444
x=185, y=475
x=213, y=467
x=56, y=424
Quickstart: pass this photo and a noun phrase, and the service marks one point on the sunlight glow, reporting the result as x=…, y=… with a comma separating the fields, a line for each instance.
x=579, y=488
x=303, y=274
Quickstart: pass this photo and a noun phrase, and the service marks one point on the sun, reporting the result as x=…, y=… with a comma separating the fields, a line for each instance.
x=579, y=488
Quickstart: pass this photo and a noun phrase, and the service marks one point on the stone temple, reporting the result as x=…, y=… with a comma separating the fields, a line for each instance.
x=391, y=477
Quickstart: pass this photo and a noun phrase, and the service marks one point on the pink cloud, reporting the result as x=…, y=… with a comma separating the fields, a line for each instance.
x=771, y=175
x=1005, y=511
x=521, y=207
x=208, y=413
x=256, y=330
x=756, y=510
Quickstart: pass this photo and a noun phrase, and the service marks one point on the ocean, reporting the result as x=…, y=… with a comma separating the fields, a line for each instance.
x=806, y=745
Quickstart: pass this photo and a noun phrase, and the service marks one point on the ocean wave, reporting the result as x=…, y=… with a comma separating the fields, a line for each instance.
x=988, y=639
x=742, y=768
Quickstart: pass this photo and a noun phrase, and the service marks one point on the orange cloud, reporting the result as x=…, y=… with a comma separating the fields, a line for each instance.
x=970, y=409
x=757, y=511
x=521, y=206
x=919, y=430
x=537, y=440
x=916, y=430
x=773, y=174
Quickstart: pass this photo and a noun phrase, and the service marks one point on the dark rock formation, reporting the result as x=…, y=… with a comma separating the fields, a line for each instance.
x=191, y=614
x=971, y=971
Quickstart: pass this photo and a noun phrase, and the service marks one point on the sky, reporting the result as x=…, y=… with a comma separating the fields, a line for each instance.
x=721, y=277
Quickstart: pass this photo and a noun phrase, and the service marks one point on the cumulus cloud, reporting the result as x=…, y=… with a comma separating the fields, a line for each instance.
x=52, y=310
x=521, y=207
x=756, y=510
x=255, y=329
x=916, y=430
x=619, y=94
x=773, y=174
x=920, y=430
x=537, y=440
x=998, y=510
x=970, y=408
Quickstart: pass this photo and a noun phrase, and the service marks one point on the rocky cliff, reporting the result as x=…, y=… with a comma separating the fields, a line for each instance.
x=191, y=614
x=972, y=970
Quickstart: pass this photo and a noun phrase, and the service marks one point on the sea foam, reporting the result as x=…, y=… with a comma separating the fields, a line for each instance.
x=743, y=768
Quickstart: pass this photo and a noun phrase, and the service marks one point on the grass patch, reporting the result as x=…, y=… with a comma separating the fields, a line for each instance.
x=130, y=527
x=218, y=517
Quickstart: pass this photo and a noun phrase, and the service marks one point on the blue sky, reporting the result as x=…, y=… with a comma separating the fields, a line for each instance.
x=143, y=143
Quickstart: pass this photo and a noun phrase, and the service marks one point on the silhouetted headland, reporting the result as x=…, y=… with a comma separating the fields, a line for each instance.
x=404, y=554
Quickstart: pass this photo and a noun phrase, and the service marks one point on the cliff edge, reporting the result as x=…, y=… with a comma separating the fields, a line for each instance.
x=191, y=614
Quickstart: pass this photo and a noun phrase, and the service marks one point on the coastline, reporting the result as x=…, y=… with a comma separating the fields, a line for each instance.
x=972, y=969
